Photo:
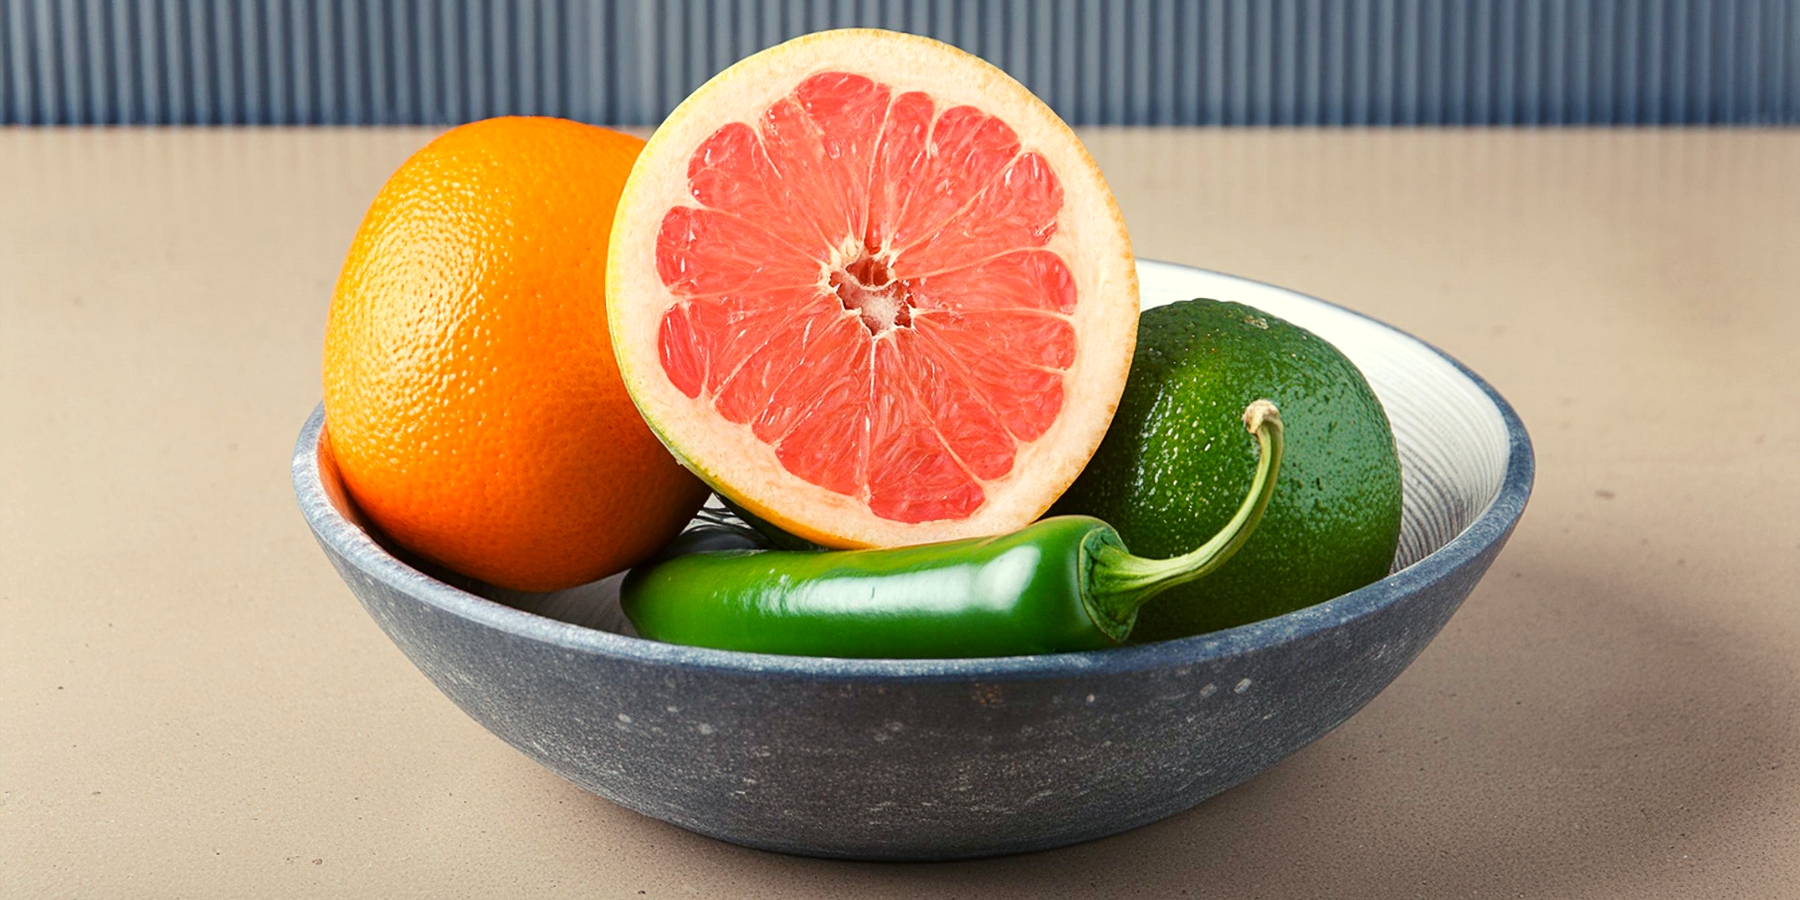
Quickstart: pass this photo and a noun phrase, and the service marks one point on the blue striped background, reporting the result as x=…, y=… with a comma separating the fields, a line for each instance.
x=1274, y=62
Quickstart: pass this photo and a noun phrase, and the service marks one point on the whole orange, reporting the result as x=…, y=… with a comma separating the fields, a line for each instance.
x=471, y=396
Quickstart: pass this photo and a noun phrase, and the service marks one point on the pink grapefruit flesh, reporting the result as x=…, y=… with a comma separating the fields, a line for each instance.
x=870, y=288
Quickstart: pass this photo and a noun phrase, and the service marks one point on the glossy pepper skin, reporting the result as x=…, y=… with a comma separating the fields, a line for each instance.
x=1062, y=584
x=1016, y=593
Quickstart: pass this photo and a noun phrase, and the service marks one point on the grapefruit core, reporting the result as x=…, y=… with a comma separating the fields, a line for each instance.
x=870, y=288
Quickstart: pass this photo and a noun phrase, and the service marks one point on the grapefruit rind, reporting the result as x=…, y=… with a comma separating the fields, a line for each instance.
x=1090, y=237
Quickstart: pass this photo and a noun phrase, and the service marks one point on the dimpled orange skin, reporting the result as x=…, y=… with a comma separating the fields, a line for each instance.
x=472, y=400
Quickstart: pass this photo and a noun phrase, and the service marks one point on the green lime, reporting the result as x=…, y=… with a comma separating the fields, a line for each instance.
x=1177, y=462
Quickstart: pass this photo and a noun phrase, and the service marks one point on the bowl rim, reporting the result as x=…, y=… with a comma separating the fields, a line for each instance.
x=347, y=540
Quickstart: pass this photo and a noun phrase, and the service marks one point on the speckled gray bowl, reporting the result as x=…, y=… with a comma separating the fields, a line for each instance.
x=891, y=759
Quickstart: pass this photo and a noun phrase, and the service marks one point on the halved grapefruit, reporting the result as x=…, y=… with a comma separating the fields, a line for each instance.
x=871, y=289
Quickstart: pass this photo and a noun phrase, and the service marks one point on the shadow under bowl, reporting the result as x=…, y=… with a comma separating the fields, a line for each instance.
x=945, y=759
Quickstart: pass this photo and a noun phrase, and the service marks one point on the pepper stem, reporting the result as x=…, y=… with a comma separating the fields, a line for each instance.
x=1119, y=584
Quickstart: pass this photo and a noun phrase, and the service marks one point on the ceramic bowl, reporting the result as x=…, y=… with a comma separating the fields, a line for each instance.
x=940, y=759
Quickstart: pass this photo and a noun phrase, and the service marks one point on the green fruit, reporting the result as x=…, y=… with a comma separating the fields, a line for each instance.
x=1177, y=462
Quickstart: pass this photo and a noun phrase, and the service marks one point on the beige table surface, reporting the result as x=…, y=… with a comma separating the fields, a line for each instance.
x=192, y=704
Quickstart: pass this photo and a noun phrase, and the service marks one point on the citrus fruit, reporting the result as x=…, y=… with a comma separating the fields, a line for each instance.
x=873, y=291
x=1176, y=464
x=471, y=397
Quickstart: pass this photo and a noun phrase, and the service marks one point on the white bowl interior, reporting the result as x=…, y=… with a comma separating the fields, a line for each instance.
x=1451, y=437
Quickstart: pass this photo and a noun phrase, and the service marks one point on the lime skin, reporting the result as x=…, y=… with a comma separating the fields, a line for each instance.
x=1177, y=461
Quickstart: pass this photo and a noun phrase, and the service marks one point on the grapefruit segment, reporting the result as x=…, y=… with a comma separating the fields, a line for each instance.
x=872, y=290
x=912, y=476
x=898, y=160
x=828, y=444
x=679, y=347
x=1025, y=397
x=1017, y=210
x=966, y=421
x=963, y=155
x=704, y=251
x=836, y=363
x=1029, y=279
x=732, y=174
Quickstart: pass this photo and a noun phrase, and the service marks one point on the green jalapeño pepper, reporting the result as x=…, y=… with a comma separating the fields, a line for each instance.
x=1065, y=583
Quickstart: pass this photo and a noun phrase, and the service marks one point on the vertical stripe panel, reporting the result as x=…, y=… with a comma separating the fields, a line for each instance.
x=1306, y=62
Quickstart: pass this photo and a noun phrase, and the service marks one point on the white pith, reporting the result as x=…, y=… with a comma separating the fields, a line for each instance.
x=1090, y=237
